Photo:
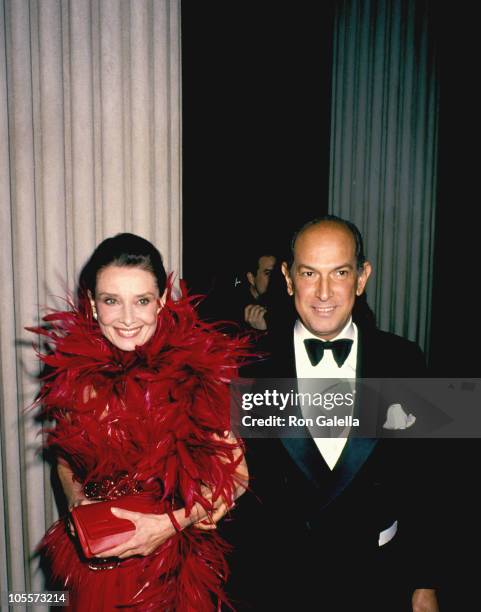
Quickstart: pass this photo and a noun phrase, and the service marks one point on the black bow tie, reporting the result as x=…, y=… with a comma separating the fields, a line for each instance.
x=340, y=350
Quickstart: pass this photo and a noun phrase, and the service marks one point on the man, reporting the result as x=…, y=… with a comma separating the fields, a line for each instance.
x=243, y=300
x=258, y=277
x=248, y=301
x=335, y=525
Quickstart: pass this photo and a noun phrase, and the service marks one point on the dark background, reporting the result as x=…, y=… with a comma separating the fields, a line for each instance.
x=256, y=116
x=455, y=308
x=256, y=112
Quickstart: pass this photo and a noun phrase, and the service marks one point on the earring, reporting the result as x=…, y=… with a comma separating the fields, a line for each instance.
x=95, y=315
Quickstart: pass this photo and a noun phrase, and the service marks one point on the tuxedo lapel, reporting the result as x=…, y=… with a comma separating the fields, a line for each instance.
x=367, y=358
x=303, y=450
x=357, y=450
x=354, y=455
x=307, y=457
x=305, y=454
x=378, y=357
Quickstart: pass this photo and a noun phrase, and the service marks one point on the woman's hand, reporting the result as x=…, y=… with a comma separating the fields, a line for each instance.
x=220, y=510
x=220, y=506
x=151, y=530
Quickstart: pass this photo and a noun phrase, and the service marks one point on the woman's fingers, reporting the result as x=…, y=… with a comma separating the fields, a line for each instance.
x=211, y=521
x=151, y=530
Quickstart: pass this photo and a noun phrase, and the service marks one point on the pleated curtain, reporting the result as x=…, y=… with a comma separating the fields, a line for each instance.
x=384, y=128
x=90, y=145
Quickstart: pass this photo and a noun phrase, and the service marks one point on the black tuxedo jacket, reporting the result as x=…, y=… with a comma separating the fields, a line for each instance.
x=306, y=537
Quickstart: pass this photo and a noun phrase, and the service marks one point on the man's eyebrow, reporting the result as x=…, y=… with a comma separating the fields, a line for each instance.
x=301, y=265
x=345, y=265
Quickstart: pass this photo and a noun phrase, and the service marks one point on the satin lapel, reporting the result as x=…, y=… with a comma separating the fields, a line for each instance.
x=354, y=455
x=303, y=451
x=367, y=356
x=367, y=395
x=357, y=450
x=306, y=455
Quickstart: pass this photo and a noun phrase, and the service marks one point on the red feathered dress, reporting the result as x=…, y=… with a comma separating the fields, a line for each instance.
x=145, y=420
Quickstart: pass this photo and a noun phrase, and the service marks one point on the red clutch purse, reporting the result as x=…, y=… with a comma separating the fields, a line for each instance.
x=98, y=529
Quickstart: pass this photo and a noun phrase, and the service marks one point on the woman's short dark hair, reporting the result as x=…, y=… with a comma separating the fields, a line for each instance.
x=123, y=250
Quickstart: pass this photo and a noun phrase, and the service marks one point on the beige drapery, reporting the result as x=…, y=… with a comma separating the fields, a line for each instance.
x=90, y=145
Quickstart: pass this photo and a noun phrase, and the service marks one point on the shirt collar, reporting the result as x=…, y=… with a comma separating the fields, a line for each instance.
x=302, y=333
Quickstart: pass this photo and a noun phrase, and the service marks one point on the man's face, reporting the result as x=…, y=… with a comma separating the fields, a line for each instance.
x=260, y=282
x=324, y=278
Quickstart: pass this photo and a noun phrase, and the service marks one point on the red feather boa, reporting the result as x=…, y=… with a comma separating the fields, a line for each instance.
x=164, y=429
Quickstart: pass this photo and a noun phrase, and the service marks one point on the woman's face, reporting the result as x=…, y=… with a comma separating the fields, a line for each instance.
x=127, y=302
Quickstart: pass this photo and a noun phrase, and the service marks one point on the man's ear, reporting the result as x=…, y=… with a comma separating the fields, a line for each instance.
x=287, y=276
x=161, y=300
x=250, y=279
x=362, y=277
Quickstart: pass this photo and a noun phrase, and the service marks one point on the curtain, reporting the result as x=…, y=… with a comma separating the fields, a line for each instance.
x=384, y=127
x=90, y=145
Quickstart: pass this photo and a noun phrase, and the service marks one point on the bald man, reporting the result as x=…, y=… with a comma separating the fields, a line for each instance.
x=336, y=525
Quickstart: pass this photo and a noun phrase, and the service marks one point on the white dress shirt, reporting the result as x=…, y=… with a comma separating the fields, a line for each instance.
x=330, y=448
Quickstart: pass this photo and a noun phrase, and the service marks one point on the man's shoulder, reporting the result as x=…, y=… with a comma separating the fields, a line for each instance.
x=388, y=339
x=393, y=355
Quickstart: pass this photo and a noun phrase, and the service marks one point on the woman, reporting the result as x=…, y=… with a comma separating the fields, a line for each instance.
x=140, y=400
